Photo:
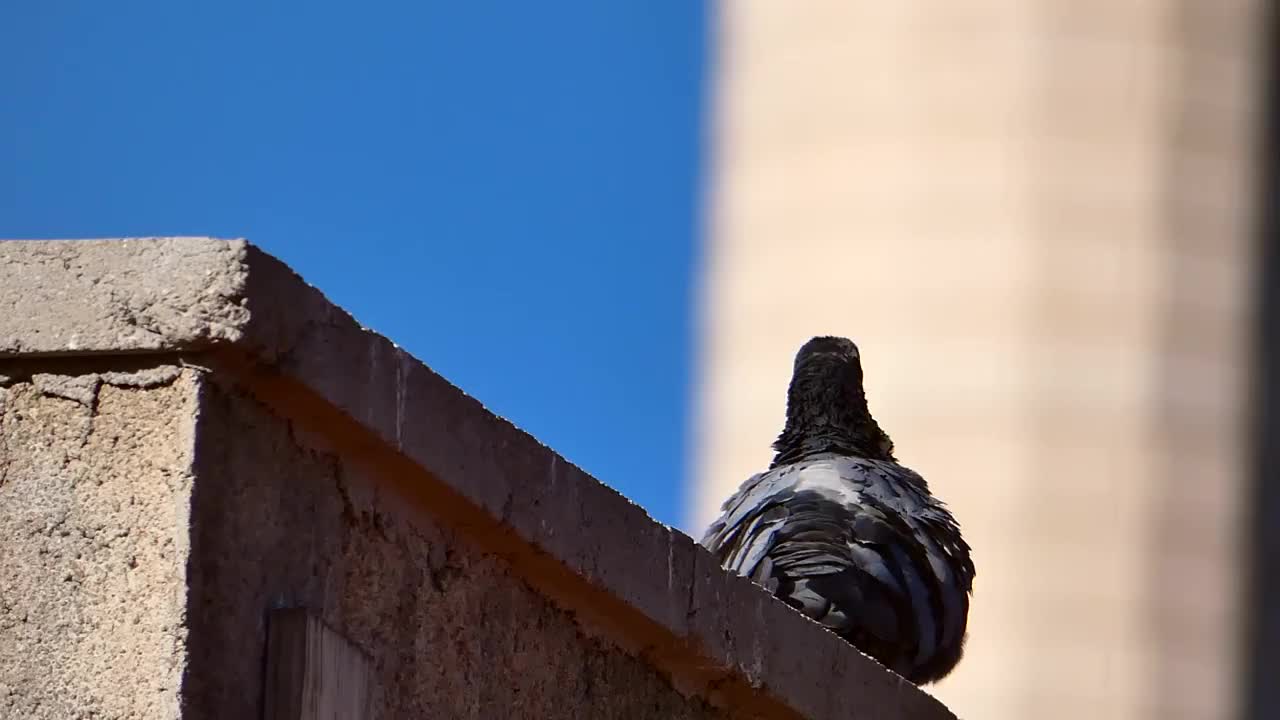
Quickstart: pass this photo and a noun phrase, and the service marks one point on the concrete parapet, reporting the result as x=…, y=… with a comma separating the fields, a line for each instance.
x=191, y=438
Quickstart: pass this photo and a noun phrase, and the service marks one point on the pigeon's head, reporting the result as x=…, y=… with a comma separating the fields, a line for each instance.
x=831, y=360
x=826, y=406
x=830, y=346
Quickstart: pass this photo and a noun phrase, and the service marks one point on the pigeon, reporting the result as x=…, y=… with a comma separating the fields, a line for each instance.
x=837, y=529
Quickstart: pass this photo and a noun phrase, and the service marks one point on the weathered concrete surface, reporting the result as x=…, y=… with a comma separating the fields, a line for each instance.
x=120, y=296
x=94, y=488
x=452, y=631
x=449, y=511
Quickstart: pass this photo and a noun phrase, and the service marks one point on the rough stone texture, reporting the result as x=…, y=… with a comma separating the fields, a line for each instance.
x=93, y=548
x=286, y=521
x=457, y=529
x=127, y=295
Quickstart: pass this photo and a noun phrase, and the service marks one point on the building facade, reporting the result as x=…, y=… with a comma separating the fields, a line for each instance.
x=1037, y=219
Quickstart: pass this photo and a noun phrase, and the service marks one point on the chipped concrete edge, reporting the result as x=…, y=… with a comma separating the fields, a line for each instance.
x=120, y=296
x=148, y=295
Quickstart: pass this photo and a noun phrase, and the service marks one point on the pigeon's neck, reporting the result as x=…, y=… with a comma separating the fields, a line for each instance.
x=829, y=417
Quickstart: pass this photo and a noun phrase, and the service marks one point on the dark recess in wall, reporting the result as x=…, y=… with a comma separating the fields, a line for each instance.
x=1262, y=628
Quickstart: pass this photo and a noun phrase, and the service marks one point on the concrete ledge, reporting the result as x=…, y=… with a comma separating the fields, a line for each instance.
x=629, y=579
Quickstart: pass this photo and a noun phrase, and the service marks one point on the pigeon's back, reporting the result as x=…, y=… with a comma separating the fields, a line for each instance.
x=860, y=546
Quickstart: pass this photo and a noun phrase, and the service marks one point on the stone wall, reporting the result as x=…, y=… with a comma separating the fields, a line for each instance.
x=191, y=437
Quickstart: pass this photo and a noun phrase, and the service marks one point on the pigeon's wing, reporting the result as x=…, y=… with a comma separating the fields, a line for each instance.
x=859, y=546
x=948, y=567
x=744, y=531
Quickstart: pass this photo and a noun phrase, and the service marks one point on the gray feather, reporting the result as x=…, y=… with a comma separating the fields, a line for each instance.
x=843, y=533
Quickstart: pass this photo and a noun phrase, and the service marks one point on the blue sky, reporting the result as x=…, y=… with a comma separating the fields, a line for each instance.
x=508, y=190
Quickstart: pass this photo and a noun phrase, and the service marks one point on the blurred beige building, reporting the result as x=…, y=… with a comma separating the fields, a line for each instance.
x=1036, y=219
